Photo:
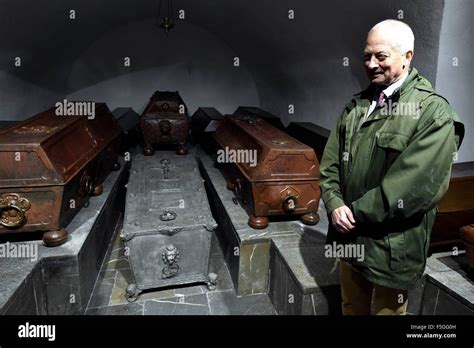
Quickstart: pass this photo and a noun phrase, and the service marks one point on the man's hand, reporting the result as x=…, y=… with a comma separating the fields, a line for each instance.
x=342, y=219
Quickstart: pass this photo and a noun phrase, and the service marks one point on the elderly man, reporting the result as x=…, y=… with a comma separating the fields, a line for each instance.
x=386, y=165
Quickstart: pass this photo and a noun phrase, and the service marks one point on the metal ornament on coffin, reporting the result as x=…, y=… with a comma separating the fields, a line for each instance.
x=170, y=257
x=13, y=208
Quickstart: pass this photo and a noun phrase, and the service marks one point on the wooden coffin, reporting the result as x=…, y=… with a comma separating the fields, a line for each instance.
x=310, y=134
x=168, y=223
x=49, y=167
x=456, y=208
x=280, y=180
x=204, y=123
x=165, y=121
x=252, y=111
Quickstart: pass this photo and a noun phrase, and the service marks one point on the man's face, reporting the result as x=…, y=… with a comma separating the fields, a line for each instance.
x=383, y=64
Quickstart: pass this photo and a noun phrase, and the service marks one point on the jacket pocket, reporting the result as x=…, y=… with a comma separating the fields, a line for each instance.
x=392, y=141
x=397, y=244
x=388, y=149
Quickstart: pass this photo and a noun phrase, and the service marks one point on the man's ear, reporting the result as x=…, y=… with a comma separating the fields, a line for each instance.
x=407, y=57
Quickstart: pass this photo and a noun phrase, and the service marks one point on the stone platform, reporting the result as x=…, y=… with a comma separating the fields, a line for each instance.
x=285, y=260
x=60, y=280
x=448, y=290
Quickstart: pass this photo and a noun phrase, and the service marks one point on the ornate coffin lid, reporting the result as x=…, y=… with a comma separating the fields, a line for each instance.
x=165, y=102
x=280, y=157
x=47, y=149
x=253, y=111
x=165, y=195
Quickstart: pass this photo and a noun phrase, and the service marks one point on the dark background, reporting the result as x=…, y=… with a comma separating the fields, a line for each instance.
x=282, y=61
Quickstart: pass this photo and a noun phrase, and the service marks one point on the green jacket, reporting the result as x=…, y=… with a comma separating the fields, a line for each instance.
x=391, y=170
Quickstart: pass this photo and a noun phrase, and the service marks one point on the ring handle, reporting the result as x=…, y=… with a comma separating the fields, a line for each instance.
x=13, y=209
x=237, y=188
x=252, y=121
x=86, y=186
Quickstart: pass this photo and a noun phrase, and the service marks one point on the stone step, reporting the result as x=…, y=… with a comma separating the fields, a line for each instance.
x=303, y=281
x=449, y=286
x=285, y=260
x=246, y=250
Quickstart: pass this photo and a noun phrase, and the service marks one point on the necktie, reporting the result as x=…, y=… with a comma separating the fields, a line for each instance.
x=381, y=99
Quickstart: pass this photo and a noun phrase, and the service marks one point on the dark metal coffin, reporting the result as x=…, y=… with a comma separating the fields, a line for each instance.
x=204, y=123
x=282, y=181
x=252, y=111
x=456, y=208
x=168, y=223
x=310, y=134
x=49, y=167
x=165, y=121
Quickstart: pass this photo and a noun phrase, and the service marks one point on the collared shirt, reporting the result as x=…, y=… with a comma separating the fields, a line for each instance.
x=388, y=91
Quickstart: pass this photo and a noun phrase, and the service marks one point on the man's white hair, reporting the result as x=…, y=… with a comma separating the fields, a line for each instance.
x=398, y=33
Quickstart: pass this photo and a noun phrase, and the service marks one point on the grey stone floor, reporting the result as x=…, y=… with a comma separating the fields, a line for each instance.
x=108, y=297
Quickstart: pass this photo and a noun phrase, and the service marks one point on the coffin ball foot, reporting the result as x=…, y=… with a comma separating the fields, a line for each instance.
x=98, y=190
x=116, y=166
x=132, y=293
x=212, y=281
x=55, y=238
x=310, y=219
x=148, y=150
x=182, y=150
x=258, y=222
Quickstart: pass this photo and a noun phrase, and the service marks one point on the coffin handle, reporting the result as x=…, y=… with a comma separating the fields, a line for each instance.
x=170, y=257
x=86, y=187
x=237, y=186
x=13, y=210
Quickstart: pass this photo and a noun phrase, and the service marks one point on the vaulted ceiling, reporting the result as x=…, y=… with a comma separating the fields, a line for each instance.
x=43, y=35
